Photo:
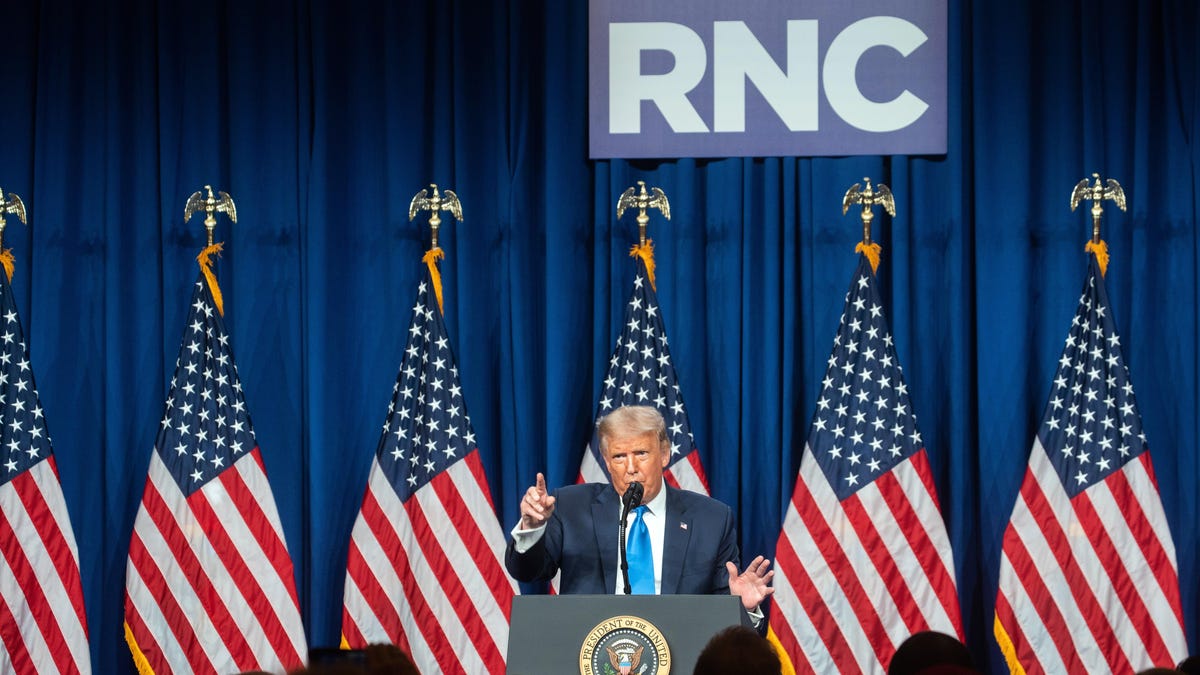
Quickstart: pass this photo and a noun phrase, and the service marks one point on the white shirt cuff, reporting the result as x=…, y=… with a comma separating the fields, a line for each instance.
x=523, y=540
x=756, y=615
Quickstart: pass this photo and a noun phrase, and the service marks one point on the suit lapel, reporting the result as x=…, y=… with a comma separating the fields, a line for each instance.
x=604, y=519
x=675, y=541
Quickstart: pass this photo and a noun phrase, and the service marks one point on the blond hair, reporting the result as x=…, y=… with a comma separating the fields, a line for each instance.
x=630, y=420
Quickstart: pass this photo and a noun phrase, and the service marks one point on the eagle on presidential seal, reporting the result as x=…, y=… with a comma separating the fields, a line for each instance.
x=625, y=655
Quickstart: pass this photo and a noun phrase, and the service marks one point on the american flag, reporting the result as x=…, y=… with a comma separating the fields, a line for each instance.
x=640, y=372
x=209, y=586
x=426, y=563
x=1088, y=581
x=42, y=624
x=863, y=560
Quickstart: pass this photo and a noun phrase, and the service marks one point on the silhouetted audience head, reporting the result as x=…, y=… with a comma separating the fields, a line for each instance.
x=1190, y=665
x=922, y=652
x=389, y=660
x=379, y=659
x=738, y=649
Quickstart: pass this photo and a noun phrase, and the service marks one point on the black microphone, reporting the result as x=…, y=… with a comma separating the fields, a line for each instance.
x=630, y=500
x=633, y=496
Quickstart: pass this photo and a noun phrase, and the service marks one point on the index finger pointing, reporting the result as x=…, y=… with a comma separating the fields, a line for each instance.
x=541, y=483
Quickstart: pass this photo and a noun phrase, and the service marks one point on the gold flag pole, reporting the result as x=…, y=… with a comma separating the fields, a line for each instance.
x=15, y=206
x=211, y=205
x=638, y=198
x=868, y=198
x=1097, y=193
x=435, y=204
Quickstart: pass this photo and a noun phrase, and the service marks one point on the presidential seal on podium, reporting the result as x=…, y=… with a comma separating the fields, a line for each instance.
x=624, y=645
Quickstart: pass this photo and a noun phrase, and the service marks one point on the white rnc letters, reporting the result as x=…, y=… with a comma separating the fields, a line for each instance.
x=628, y=87
x=739, y=56
x=841, y=88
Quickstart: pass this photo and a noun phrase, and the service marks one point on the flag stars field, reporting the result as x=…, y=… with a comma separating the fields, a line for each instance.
x=1089, y=512
x=863, y=559
x=45, y=626
x=208, y=519
x=641, y=372
x=205, y=406
x=427, y=507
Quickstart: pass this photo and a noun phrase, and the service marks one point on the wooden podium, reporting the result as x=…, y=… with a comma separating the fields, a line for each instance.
x=562, y=633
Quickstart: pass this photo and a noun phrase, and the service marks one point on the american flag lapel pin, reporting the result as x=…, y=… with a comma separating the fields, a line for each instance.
x=683, y=526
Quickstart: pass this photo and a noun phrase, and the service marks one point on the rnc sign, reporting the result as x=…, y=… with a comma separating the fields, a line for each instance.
x=713, y=78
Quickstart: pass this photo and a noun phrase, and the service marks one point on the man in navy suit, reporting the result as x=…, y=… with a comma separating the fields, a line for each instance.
x=575, y=530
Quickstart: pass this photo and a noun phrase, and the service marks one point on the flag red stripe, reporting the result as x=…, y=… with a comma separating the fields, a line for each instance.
x=1158, y=560
x=450, y=583
x=693, y=458
x=1041, y=600
x=1016, y=634
x=826, y=627
x=486, y=561
x=177, y=621
x=831, y=550
x=351, y=633
x=27, y=581
x=787, y=640
x=14, y=642
x=670, y=479
x=1060, y=547
x=239, y=573
x=923, y=548
x=421, y=611
x=44, y=521
x=876, y=549
x=196, y=576
x=149, y=647
x=1040, y=596
x=1122, y=586
x=475, y=464
x=264, y=531
x=374, y=595
x=920, y=462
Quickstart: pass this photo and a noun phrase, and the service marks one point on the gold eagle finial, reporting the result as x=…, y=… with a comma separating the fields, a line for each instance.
x=211, y=205
x=642, y=200
x=868, y=198
x=1097, y=194
x=447, y=201
x=12, y=205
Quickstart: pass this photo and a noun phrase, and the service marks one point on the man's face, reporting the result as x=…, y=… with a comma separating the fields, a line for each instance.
x=637, y=459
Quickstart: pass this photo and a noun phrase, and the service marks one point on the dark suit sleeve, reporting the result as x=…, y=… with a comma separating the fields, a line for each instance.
x=541, y=561
x=728, y=551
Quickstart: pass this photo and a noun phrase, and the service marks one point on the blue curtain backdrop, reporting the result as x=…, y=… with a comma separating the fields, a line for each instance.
x=323, y=119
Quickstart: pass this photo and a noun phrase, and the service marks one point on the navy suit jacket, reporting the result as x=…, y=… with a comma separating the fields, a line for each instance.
x=581, y=541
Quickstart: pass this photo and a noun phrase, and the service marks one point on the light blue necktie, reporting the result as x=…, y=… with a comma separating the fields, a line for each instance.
x=639, y=555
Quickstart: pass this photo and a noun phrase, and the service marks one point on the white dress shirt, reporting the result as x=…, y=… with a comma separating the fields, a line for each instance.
x=656, y=522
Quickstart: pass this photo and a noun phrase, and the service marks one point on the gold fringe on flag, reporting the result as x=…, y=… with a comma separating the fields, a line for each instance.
x=646, y=253
x=872, y=252
x=205, y=260
x=139, y=659
x=784, y=661
x=1102, y=254
x=431, y=258
x=1007, y=648
x=6, y=260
